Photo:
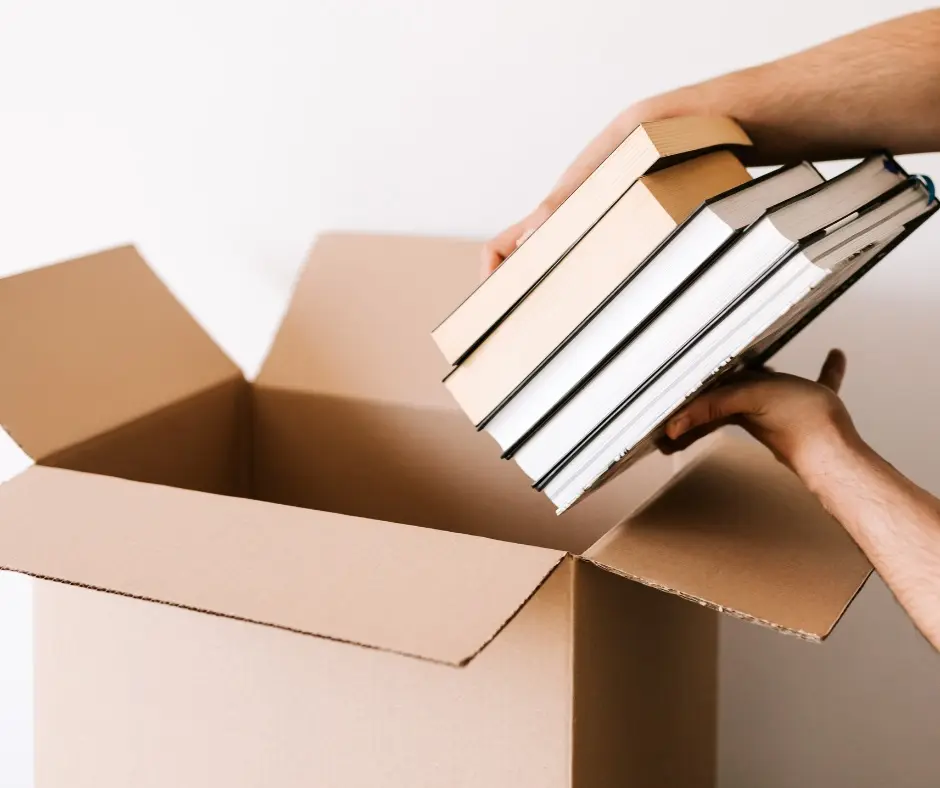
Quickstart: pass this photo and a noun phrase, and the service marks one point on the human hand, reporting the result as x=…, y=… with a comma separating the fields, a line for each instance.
x=800, y=421
x=500, y=247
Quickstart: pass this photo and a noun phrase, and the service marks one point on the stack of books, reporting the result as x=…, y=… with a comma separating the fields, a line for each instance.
x=668, y=268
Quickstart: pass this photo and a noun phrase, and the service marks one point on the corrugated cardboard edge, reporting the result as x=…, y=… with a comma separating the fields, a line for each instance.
x=685, y=463
x=558, y=564
x=809, y=637
x=682, y=466
x=462, y=663
x=29, y=561
x=660, y=730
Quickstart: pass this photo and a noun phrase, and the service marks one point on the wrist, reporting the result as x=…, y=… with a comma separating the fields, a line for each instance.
x=712, y=97
x=830, y=454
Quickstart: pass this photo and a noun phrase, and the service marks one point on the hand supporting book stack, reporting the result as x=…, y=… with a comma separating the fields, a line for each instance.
x=667, y=269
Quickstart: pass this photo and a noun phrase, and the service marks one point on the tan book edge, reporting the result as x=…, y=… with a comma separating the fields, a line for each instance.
x=633, y=228
x=652, y=144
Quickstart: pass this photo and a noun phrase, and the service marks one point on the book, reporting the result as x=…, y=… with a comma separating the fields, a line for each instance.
x=640, y=220
x=649, y=147
x=757, y=251
x=799, y=286
x=696, y=243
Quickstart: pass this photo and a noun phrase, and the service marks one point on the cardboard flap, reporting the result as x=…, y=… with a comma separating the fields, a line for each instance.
x=94, y=343
x=416, y=591
x=359, y=324
x=737, y=531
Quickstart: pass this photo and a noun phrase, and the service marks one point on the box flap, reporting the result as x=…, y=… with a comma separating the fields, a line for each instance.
x=360, y=321
x=432, y=594
x=737, y=531
x=94, y=343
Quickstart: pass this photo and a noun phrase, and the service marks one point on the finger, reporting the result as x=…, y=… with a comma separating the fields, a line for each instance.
x=504, y=244
x=833, y=370
x=489, y=261
x=499, y=249
x=714, y=406
x=748, y=375
x=669, y=445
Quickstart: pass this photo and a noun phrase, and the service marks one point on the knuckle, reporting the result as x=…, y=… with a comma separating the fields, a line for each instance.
x=714, y=409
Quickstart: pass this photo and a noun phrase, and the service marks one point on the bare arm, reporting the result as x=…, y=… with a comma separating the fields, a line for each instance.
x=896, y=523
x=875, y=88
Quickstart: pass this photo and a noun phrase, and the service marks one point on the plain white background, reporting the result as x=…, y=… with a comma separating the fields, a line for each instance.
x=221, y=136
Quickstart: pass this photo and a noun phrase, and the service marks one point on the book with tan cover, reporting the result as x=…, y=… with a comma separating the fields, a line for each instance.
x=637, y=223
x=651, y=146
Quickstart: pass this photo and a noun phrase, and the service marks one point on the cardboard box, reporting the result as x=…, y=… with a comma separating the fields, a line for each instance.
x=396, y=607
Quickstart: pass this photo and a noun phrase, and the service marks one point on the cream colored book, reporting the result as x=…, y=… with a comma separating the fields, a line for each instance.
x=640, y=220
x=649, y=147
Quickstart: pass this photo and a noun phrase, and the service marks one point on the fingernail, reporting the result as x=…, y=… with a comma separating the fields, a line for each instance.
x=677, y=426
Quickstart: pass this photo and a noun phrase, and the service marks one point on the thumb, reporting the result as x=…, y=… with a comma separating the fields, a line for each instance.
x=833, y=370
x=719, y=404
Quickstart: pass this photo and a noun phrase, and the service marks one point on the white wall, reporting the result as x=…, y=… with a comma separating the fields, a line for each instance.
x=221, y=136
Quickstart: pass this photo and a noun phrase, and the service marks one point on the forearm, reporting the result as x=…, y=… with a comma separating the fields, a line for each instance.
x=874, y=88
x=893, y=521
x=877, y=87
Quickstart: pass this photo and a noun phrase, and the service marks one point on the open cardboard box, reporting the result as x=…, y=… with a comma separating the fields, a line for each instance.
x=395, y=606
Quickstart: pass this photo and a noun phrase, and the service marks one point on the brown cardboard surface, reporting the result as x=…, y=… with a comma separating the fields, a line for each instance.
x=199, y=443
x=737, y=530
x=645, y=702
x=152, y=696
x=358, y=322
x=584, y=680
x=426, y=467
x=349, y=416
x=596, y=682
x=416, y=591
x=92, y=344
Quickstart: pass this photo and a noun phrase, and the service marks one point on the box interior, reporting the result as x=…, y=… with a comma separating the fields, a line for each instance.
x=108, y=374
x=134, y=389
